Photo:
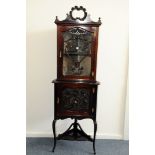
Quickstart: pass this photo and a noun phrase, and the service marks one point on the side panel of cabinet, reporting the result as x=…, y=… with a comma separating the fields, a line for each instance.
x=93, y=56
x=76, y=100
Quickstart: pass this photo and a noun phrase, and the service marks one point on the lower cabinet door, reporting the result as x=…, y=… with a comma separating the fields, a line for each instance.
x=76, y=100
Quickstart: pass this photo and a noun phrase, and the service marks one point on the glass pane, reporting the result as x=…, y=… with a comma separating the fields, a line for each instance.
x=77, y=52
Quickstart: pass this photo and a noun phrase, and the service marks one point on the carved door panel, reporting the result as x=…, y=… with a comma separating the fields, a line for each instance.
x=75, y=100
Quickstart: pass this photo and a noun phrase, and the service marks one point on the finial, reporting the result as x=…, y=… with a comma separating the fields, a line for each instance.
x=56, y=19
x=99, y=20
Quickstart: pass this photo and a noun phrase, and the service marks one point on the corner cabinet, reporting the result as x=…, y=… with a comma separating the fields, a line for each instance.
x=76, y=86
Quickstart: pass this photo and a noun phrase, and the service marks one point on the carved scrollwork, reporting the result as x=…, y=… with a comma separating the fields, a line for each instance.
x=75, y=99
x=78, y=9
x=85, y=20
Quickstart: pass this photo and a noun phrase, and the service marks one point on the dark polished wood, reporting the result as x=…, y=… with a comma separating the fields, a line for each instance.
x=75, y=89
x=76, y=81
x=90, y=112
x=70, y=20
x=54, y=133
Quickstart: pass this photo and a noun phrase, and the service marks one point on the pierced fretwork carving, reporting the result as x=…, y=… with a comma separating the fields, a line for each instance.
x=70, y=19
x=78, y=8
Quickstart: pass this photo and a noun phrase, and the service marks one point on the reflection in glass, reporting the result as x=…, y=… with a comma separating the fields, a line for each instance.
x=77, y=52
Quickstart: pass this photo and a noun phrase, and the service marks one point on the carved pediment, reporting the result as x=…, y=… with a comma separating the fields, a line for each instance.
x=85, y=20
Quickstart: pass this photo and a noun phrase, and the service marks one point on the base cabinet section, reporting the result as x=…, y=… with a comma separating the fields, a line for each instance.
x=75, y=100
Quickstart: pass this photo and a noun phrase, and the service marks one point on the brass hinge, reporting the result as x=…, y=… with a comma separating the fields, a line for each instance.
x=60, y=54
x=58, y=100
x=92, y=110
x=93, y=90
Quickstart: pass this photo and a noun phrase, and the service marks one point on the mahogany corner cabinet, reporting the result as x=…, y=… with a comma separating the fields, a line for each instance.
x=75, y=89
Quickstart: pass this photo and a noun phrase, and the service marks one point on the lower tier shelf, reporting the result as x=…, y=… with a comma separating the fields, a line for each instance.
x=75, y=134
x=70, y=136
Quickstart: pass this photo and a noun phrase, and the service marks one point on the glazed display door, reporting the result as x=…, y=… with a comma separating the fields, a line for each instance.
x=76, y=53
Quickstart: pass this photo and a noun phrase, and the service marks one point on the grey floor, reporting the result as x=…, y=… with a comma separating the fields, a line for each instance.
x=43, y=146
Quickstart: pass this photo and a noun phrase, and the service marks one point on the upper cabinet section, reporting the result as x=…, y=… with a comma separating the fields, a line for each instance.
x=77, y=40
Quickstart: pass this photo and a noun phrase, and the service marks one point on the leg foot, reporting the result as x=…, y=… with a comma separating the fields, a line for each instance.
x=95, y=129
x=54, y=133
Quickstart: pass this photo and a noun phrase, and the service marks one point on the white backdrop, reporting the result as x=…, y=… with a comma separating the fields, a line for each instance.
x=111, y=69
